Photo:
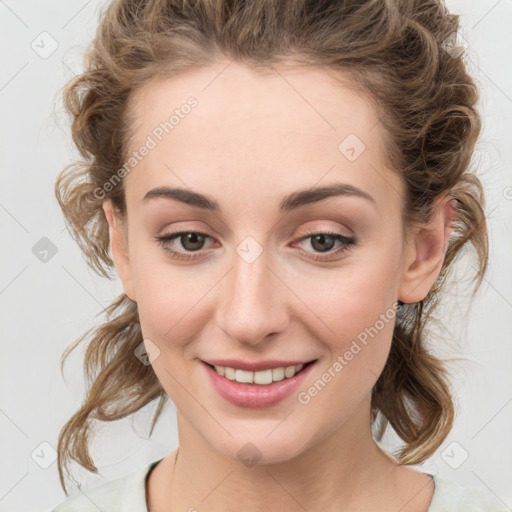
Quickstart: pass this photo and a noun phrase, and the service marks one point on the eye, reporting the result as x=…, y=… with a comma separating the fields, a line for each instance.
x=192, y=241
x=324, y=241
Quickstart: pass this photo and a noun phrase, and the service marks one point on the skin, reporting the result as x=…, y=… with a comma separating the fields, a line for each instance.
x=253, y=139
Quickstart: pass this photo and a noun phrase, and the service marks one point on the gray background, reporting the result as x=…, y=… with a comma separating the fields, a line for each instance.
x=48, y=299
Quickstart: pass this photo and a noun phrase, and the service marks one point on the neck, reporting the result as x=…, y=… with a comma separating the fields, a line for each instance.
x=345, y=470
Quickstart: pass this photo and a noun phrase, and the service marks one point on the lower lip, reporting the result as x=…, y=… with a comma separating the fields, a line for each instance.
x=256, y=396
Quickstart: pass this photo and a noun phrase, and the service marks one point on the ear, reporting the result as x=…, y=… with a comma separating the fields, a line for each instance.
x=119, y=247
x=426, y=251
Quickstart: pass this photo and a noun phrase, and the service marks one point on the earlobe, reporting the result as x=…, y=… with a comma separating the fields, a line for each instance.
x=426, y=251
x=119, y=247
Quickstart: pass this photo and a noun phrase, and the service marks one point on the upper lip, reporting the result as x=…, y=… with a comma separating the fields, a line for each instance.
x=255, y=365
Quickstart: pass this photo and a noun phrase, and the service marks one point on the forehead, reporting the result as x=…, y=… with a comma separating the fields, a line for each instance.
x=267, y=131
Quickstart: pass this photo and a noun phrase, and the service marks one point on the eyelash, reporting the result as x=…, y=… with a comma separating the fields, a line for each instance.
x=347, y=243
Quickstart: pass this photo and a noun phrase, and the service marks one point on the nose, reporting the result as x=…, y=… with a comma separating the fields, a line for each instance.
x=252, y=303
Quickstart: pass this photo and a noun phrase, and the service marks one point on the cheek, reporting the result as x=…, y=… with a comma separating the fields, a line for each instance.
x=166, y=305
x=356, y=307
x=172, y=312
x=172, y=299
x=352, y=298
x=360, y=314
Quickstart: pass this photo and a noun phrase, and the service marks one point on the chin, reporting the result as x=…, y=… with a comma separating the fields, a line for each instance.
x=261, y=448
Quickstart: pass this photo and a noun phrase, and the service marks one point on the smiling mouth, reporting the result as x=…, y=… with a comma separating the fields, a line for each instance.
x=262, y=377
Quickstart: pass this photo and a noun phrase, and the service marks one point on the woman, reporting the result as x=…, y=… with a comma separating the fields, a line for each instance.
x=282, y=188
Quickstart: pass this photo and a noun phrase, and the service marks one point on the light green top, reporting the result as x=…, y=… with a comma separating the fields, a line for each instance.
x=128, y=494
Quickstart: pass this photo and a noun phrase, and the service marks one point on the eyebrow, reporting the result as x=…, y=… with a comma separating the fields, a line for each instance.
x=290, y=202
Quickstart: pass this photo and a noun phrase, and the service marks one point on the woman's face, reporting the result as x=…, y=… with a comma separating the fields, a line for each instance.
x=280, y=158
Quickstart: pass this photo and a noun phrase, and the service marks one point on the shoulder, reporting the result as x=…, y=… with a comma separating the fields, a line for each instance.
x=450, y=496
x=125, y=494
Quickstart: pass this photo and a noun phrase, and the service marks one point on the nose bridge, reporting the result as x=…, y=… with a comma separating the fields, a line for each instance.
x=252, y=303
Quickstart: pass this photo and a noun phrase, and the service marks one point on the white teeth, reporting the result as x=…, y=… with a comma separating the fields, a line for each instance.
x=243, y=376
x=262, y=377
x=289, y=372
x=229, y=373
x=277, y=374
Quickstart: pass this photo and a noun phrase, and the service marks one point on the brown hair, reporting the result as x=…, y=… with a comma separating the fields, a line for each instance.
x=393, y=50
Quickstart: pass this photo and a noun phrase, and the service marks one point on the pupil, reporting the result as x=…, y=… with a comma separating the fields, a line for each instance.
x=321, y=238
x=194, y=238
